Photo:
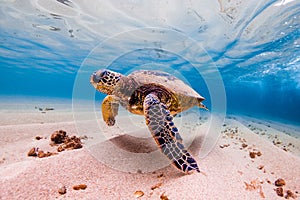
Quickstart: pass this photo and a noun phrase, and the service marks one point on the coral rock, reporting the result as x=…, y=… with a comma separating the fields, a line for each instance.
x=80, y=187
x=289, y=194
x=279, y=192
x=138, y=193
x=58, y=137
x=32, y=152
x=62, y=190
x=163, y=197
x=252, y=154
x=38, y=137
x=279, y=182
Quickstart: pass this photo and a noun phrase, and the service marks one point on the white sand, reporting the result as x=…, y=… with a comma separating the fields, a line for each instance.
x=225, y=170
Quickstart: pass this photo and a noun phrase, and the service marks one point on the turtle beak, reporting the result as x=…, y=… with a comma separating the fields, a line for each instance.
x=94, y=79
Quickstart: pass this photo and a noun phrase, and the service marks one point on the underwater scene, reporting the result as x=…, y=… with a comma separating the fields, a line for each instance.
x=149, y=99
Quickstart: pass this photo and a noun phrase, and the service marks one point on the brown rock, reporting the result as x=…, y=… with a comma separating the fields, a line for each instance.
x=289, y=194
x=38, y=137
x=70, y=143
x=252, y=154
x=58, y=137
x=138, y=193
x=279, y=192
x=251, y=186
x=62, y=190
x=244, y=145
x=279, y=182
x=160, y=176
x=224, y=145
x=60, y=148
x=73, y=145
x=80, y=187
x=258, y=153
x=32, y=152
x=163, y=197
x=158, y=185
x=41, y=154
x=260, y=167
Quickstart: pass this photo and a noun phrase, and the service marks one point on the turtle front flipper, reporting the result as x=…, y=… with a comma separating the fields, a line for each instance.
x=166, y=134
x=110, y=107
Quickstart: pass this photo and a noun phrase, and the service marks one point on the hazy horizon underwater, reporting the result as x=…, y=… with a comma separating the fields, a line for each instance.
x=254, y=46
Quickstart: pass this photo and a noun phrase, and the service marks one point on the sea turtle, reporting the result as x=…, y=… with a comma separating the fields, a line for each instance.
x=158, y=96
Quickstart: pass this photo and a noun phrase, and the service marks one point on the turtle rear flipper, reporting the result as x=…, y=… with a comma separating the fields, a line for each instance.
x=166, y=134
x=110, y=106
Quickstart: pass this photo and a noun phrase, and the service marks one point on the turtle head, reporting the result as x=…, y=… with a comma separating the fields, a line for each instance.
x=105, y=80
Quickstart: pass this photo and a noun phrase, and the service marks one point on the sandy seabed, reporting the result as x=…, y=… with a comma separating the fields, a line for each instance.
x=248, y=158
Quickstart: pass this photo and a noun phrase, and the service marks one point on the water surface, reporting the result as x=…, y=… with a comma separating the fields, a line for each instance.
x=254, y=45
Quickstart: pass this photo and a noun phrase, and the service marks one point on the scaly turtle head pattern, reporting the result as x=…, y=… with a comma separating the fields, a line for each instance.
x=105, y=80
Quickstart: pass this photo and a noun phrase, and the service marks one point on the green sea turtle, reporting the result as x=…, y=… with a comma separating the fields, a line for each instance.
x=156, y=95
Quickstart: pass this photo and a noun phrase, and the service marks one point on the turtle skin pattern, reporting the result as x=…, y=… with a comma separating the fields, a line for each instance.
x=166, y=135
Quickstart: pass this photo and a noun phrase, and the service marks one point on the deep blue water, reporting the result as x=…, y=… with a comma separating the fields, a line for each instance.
x=254, y=46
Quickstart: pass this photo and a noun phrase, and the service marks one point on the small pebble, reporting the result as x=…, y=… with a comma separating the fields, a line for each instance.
x=289, y=194
x=279, y=182
x=163, y=197
x=38, y=137
x=32, y=152
x=161, y=175
x=260, y=167
x=224, y=145
x=62, y=190
x=252, y=154
x=158, y=185
x=138, y=193
x=41, y=154
x=80, y=187
x=279, y=192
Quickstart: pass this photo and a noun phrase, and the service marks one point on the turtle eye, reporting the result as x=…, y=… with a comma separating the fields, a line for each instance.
x=104, y=73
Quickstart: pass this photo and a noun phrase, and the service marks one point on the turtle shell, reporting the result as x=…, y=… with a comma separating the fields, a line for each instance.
x=168, y=81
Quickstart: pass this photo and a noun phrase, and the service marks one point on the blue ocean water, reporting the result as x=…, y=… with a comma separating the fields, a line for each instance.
x=254, y=47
